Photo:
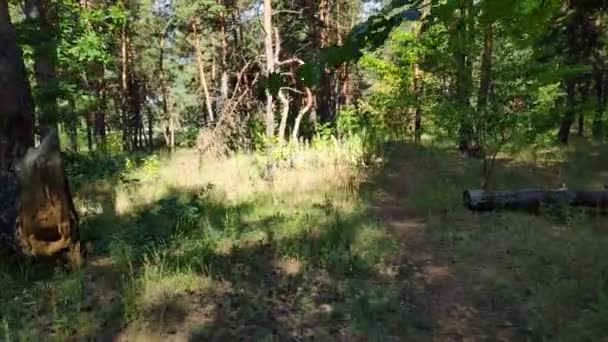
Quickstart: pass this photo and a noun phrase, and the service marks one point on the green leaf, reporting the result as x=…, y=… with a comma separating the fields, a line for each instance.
x=309, y=74
x=273, y=83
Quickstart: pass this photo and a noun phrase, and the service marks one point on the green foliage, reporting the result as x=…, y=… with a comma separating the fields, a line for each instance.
x=187, y=138
x=350, y=122
x=324, y=132
x=273, y=83
x=151, y=165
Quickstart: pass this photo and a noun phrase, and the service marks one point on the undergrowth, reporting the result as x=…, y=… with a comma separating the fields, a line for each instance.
x=172, y=241
x=282, y=244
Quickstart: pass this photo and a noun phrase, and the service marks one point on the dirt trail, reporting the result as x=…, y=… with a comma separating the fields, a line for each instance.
x=442, y=305
x=435, y=302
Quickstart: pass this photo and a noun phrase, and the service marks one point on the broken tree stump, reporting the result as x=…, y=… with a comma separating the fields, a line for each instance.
x=533, y=199
x=47, y=222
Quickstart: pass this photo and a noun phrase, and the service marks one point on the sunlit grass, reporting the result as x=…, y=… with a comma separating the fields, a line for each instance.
x=543, y=272
x=289, y=234
x=175, y=230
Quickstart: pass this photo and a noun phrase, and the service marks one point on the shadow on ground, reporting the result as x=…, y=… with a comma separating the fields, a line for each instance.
x=495, y=276
x=408, y=264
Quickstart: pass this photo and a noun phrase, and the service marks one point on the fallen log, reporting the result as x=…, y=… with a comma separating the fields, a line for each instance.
x=533, y=199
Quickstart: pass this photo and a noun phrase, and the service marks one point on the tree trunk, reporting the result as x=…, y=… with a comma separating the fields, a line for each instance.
x=574, y=54
x=165, y=92
x=100, y=128
x=135, y=121
x=418, y=125
x=224, y=54
x=89, y=123
x=131, y=101
x=310, y=10
x=346, y=19
x=310, y=100
x=284, y=115
x=100, y=116
x=37, y=216
x=568, y=119
x=124, y=77
x=532, y=199
x=600, y=94
x=268, y=29
x=581, y=124
x=201, y=72
x=416, y=92
x=71, y=125
x=16, y=104
x=38, y=13
x=486, y=70
x=48, y=222
x=150, y=130
x=418, y=81
x=584, y=91
x=172, y=132
x=325, y=104
x=600, y=80
x=485, y=81
x=462, y=36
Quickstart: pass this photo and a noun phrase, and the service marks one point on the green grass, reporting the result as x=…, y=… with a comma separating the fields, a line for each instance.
x=228, y=251
x=186, y=251
x=546, y=273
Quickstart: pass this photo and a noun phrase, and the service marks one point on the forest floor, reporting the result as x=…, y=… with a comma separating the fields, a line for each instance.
x=499, y=276
x=321, y=249
x=443, y=305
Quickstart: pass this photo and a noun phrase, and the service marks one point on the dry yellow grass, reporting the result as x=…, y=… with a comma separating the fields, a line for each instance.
x=239, y=177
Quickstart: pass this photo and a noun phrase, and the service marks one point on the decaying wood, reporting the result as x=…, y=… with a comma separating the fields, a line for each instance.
x=533, y=199
x=47, y=223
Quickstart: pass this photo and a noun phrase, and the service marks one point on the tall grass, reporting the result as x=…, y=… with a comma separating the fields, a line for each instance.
x=168, y=233
x=282, y=243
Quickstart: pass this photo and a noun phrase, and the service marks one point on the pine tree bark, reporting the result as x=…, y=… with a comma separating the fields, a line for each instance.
x=135, y=121
x=485, y=78
x=578, y=36
x=568, y=119
x=89, y=123
x=131, y=101
x=269, y=51
x=16, y=103
x=71, y=126
x=600, y=84
x=581, y=115
x=131, y=94
x=100, y=119
x=124, y=78
x=285, y=101
x=164, y=90
x=201, y=72
x=39, y=13
x=485, y=81
x=418, y=111
x=326, y=97
x=462, y=35
x=224, y=62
